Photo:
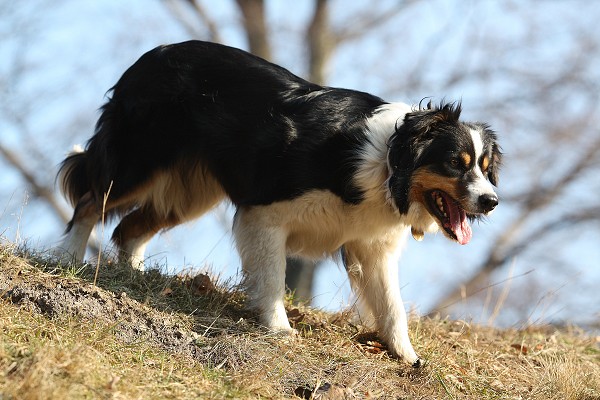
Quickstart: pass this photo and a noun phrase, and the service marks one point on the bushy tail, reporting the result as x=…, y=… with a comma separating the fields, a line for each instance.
x=92, y=170
x=72, y=176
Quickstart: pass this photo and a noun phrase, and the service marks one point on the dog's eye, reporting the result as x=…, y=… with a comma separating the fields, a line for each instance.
x=485, y=164
x=454, y=162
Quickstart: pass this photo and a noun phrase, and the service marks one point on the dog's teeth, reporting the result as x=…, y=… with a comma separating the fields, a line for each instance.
x=439, y=203
x=417, y=234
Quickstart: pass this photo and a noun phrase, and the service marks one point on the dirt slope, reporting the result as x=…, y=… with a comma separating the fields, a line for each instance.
x=203, y=326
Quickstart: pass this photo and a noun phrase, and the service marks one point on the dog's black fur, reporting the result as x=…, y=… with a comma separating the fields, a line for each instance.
x=266, y=134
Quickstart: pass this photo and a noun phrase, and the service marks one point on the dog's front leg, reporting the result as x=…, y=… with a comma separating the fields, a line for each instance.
x=262, y=251
x=373, y=271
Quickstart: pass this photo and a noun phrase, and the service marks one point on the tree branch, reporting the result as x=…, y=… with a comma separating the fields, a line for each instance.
x=508, y=246
x=367, y=21
x=253, y=13
x=38, y=189
x=192, y=28
x=320, y=43
x=41, y=191
x=535, y=199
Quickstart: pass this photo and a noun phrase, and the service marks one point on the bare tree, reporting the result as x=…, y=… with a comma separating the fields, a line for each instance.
x=537, y=85
x=299, y=272
x=558, y=109
x=253, y=12
x=14, y=115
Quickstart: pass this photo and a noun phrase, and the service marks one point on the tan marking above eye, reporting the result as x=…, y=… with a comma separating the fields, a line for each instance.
x=466, y=158
x=485, y=163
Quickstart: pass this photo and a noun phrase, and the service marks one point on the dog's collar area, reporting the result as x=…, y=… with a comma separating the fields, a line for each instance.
x=389, y=198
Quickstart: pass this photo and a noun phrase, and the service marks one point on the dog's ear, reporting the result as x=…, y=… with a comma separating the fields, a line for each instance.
x=400, y=159
x=424, y=120
x=408, y=143
x=495, y=163
x=495, y=160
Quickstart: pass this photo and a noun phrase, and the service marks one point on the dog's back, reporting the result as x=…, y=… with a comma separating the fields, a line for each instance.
x=175, y=104
x=227, y=110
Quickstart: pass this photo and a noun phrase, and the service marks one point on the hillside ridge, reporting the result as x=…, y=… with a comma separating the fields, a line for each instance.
x=201, y=332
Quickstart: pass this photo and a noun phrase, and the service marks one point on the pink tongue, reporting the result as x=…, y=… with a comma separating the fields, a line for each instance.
x=458, y=221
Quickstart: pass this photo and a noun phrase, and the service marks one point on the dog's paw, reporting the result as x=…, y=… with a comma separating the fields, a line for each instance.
x=284, y=332
x=419, y=363
x=64, y=257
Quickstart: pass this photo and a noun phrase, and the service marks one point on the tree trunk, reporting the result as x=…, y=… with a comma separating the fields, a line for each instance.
x=320, y=43
x=253, y=13
x=299, y=278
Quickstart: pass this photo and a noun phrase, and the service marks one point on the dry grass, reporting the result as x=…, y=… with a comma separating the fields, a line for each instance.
x=72, y=357
x=68, y=359
x=176, y=337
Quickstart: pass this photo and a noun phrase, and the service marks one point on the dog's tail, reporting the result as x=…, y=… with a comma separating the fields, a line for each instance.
x=72, y=176
x=91, y=170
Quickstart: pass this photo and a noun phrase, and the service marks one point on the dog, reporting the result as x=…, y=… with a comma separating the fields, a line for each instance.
x=312, y=171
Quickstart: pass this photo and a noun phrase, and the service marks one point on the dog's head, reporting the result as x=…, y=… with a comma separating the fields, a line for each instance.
x=443, y=170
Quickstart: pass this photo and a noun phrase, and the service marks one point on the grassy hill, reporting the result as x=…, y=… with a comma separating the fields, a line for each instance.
x=151, y=336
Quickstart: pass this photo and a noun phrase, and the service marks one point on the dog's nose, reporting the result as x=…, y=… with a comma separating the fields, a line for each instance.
x=488, y=202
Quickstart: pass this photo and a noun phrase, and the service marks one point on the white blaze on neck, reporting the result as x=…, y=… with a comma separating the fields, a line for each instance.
x=373, y=171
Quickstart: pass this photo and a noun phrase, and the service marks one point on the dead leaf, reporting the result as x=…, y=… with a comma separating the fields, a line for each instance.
x=201, y=284
x=372, y=350
x=373, y=347
x=166, y=292
x=375, y=344
x=294, y=313
x=295, y=316
x=520, y=347
x=460, y=369
x=456, y=381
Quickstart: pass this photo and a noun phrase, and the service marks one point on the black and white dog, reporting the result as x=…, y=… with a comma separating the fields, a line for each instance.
x=311, y=170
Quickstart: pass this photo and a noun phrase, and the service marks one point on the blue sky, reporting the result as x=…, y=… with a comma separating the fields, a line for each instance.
x=77, y=50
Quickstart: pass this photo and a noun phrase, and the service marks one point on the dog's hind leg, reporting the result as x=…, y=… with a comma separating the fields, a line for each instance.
x=85, y=217
x=135, y=231
x=169, y=199
x=372, y=269
x=262, y=249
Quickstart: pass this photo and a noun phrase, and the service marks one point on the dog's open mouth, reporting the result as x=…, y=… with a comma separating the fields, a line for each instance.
x=452, y=218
